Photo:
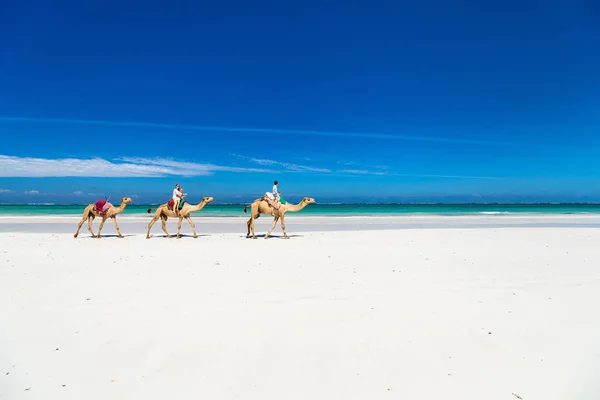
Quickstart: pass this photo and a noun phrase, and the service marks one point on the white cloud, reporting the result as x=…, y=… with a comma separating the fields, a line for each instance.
x=447, y=176
x=78, y=193
x=382, y=173
x=128, y=167
x=186, y=168
x=356, y=165
x=125, y=167
x=5, y=191
x=289, y=167
x=31, y=192
x=360, y=172
x=379, y=170
x=270, y=131
x=347, y=163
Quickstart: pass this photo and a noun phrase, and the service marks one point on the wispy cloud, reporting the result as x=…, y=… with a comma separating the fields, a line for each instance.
x=139, y=167
x=383, y=170
x=357, y=167
x=207, y=128
x=285, y=165
x=5, y=191
x=186, y=168
x=346, y=163
x=78, y=193
x=444, y=176
x=409, y=175
x=31, y=192
x=380, y=170
x=124, y=167
x=360, y=172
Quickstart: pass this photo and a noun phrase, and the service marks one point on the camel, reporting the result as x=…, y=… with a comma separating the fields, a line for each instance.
x=91, y=212
x=164, y=212
x=261, y=206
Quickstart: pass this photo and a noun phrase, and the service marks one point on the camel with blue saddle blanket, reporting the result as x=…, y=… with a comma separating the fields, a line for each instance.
x=164, y=211
x=104, y=210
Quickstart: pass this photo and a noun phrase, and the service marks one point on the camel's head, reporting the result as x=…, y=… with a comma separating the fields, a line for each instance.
x=309, y=200
x=207, y=200
x=126, y=200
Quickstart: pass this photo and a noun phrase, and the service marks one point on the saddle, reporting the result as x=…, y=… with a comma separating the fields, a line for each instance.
x=171, y=202
x=270, y=198
x=102, y=207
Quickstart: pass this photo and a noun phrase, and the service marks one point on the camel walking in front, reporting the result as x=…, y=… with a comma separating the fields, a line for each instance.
x=91, y=212
x=261, y=206
x=163, y=212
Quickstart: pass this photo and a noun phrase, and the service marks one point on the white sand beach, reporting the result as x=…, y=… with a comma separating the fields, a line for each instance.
x=467, y=310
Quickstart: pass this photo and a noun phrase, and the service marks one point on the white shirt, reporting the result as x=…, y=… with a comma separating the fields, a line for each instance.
x=176, y=194
x=275, y=190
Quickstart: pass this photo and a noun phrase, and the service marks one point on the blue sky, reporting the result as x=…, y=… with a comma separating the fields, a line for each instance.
x=338, y=100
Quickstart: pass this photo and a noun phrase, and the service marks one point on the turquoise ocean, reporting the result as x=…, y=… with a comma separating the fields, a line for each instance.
x=339, y=210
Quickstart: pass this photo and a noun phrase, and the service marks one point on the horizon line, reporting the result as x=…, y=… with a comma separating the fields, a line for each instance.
x=396, y=203
x=364, y=135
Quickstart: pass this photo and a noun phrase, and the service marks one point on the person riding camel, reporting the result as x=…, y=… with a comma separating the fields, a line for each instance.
x=273, y=196
x=178, y=195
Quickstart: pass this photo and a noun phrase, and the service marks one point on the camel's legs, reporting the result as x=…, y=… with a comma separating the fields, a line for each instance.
x=154, y=219
x=251, y=224
x=90, y=219
x=189, y=219
x=285, y=235
x=100, y=228
x=117, y=226
x=248, y=223
x=272, y=226
x=80, y=225
x=164, y=226
x=179, y=227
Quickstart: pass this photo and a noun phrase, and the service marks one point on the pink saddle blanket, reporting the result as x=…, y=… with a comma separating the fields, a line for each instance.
x=102, y=206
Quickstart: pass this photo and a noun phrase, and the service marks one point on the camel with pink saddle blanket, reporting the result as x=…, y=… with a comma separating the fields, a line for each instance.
x=104, y=210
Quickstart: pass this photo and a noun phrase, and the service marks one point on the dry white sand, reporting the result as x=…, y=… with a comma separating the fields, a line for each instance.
x=399, y=314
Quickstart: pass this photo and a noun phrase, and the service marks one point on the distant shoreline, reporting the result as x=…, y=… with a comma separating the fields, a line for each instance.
x=216, y=204
x=201, y=215
x=340, y=210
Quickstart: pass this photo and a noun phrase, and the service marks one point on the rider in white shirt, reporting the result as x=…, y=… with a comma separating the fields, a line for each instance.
x=177, y=196
x=276, y=195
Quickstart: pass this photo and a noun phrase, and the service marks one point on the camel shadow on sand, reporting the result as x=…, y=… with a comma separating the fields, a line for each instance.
x=272, y=236
x=108, y=236
x=175, y=236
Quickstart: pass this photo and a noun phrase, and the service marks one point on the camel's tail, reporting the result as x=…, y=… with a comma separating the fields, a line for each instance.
x=150, y=210
x=250, y=205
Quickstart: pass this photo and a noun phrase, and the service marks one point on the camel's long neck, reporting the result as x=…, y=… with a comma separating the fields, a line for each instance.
x=296, y=207
x=121, y=207
x=199, y=206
